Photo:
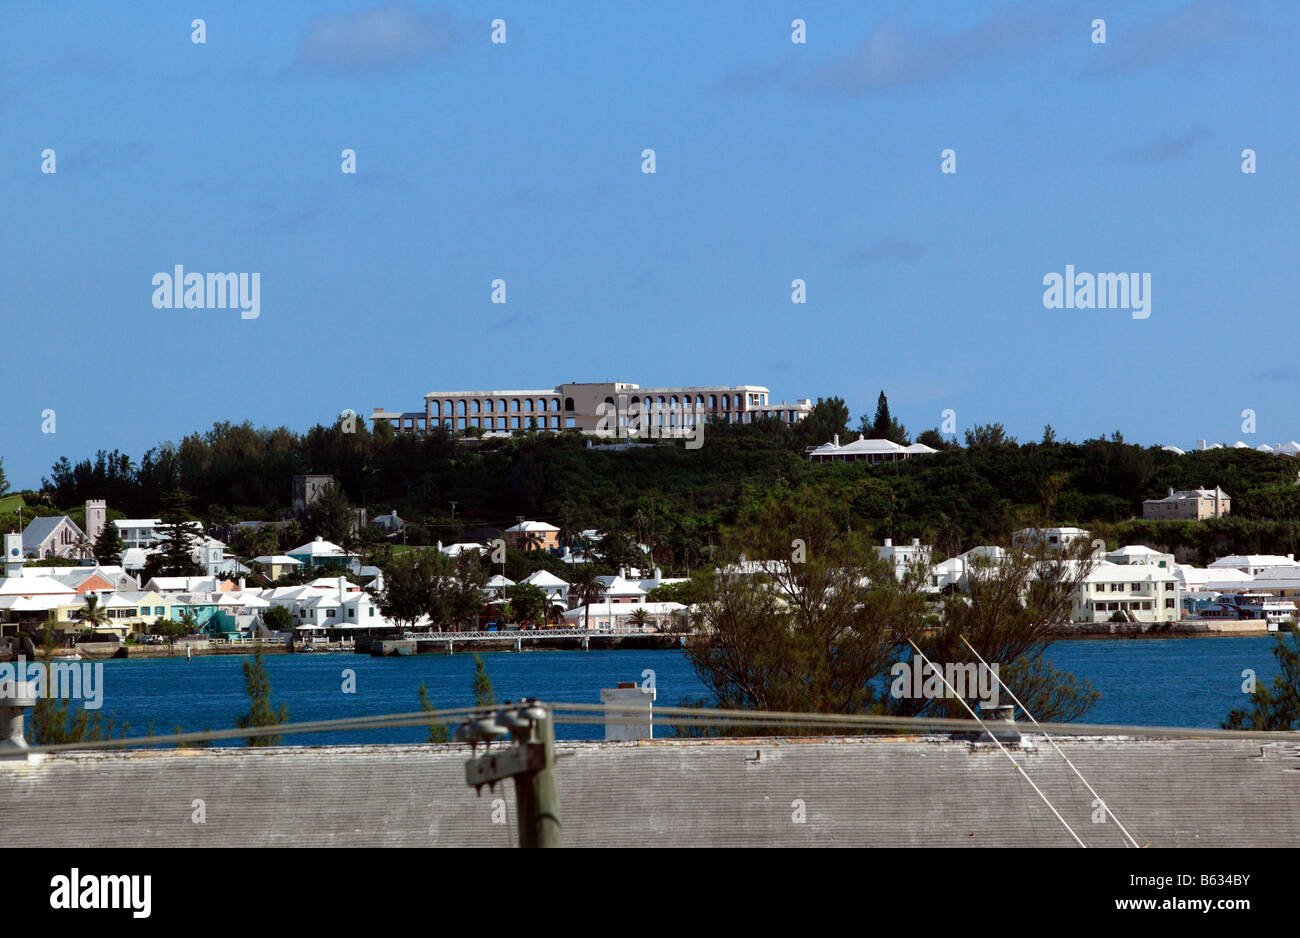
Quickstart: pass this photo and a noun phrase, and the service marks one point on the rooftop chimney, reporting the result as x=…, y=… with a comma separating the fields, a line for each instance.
x=889, y=542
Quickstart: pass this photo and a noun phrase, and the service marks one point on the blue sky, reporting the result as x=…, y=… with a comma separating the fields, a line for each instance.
x=522, y=161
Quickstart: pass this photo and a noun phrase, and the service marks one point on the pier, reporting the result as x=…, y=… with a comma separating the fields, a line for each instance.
x=421, y=643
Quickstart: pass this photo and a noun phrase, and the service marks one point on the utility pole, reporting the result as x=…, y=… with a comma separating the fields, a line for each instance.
x=530, y=762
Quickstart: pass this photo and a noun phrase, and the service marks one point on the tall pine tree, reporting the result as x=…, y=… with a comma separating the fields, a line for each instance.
x=108, y=546
x=883, y=426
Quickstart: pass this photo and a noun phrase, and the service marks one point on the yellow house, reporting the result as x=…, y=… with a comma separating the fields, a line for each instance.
x=278, y=565
x=127, y=612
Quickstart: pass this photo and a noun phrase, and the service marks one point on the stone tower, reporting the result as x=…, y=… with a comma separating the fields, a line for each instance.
x=96, y=518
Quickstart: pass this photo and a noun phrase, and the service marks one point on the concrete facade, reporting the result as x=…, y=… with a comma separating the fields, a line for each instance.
x=1188, y=505
x=885, y=792
x=577, y=405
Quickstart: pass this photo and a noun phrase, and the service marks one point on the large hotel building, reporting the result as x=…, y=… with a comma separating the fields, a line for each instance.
x=578, y=406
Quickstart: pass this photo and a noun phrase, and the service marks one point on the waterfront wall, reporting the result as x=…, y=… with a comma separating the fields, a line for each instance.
x=886, y=792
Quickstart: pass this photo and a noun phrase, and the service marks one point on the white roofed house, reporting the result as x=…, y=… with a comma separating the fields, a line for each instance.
x=865, y=450
x=455, y=550
x=1254, y=564
x=557, y=590
x=954, y=574
x=322, y=553
x=1055, y=538
x=277, y=565
x=495, y=588
x=139, y=532
x=1138, y=554
x=903, y=556
x=619, y=590
x=532, y=535
x=617, y=617
x=1138, y=593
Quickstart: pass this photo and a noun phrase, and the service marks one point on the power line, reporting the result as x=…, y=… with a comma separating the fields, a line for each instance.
x=584, y=713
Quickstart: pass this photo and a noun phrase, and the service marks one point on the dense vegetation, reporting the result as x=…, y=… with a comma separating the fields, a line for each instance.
x=675, y=500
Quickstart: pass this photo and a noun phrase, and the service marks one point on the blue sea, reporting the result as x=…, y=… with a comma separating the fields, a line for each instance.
x=1152, y=682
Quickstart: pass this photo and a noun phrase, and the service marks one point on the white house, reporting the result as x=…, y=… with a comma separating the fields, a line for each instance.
x=1254, y=564
x=616, y=616
x=1052, y=538
x=864, y=450
x=321, y=553
x=1132, y=592
x=557, y=591
x=903, y=556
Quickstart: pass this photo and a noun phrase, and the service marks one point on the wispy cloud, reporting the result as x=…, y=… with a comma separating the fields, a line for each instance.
x=894, y=55
x=888, y=249
x=101, y=156
x=96, y=63
x=513, y=321
x=391, y=36
x=755, y=77
x=1283, y=374
x=1188, y=33
x=1165, y=148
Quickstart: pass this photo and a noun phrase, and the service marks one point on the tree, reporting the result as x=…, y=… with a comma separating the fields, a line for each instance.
x=277, y=619
x=829, y=418
x=261, y=711
x=171, y=630
x=816, y=633
x=822, y=630
x=175, y=553
x=4, y=483
x=408, y=591
x=527, y=601
x=437, y=731
x=586, y=584
x=883, y=426
x=108, y=546
x=1278, y=708
x=639, y=618
x=1010, y=612
x=93, y=615
x=933, y=439
x=330, y=516
x=988, y=435
x=52, y=720
x=484, y=695
x=464, y=599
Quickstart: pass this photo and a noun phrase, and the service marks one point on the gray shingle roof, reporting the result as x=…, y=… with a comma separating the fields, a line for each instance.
x=40, y=528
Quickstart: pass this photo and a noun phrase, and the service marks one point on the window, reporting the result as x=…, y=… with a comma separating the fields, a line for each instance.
x=1137, y=587
x=1169, y=603
x=372, y=610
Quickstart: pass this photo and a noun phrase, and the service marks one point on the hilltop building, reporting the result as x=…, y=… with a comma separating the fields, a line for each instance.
x=1188, y=505
x=577, y=405
x=864, y=450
